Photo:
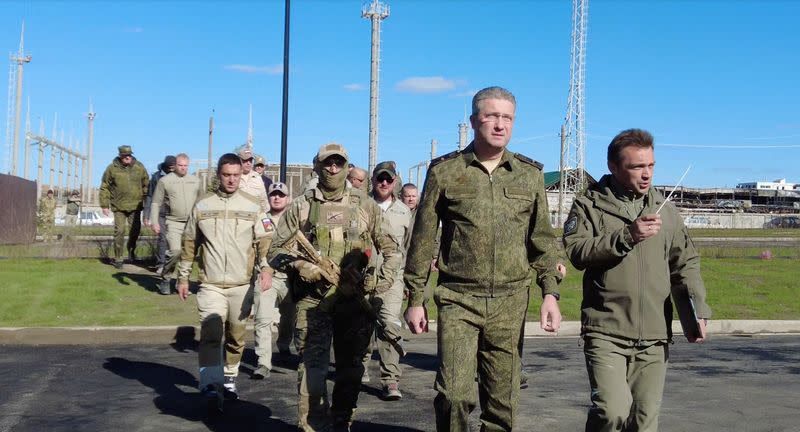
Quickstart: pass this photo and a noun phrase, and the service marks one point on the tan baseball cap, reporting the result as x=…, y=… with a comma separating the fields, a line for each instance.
x=259, y=160
x=246, y=153
x=330, y=149
x=278, y=187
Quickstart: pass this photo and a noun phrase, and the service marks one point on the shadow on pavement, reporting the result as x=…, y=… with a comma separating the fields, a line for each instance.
x=185, y=339
x=421, y=361
x=376, y=427
x=172, y=400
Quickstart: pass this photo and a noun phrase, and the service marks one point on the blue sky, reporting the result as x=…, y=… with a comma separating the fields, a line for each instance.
x=714, y=81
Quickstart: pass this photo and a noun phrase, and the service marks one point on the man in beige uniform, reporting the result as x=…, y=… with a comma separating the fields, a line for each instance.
x=397, y=223
x=264, y=310
x=251, y=181
x=181, y=191
x=222, y=228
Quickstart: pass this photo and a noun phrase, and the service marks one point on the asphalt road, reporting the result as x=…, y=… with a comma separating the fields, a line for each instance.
x=728, y=384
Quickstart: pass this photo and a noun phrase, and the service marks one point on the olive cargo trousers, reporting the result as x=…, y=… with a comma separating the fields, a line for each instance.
x=627, y=381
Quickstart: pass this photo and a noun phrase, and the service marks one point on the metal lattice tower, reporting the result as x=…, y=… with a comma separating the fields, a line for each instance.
x=573, y=132
x=15, y=73
x=375, y=12
x=250, y=129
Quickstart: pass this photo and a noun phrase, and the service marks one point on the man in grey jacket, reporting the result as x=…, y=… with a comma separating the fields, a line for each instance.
x=180, y=190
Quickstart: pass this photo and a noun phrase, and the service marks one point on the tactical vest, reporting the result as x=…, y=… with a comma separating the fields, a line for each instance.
x=333, y=227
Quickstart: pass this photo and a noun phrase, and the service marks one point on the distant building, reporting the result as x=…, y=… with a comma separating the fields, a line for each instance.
x=779, y=184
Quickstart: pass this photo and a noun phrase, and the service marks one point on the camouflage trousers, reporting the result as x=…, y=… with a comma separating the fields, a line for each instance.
x=47, y=227
x=350, y=331
x=478, y=335
x=223, y=318
x=627, y=381
x=124, y=220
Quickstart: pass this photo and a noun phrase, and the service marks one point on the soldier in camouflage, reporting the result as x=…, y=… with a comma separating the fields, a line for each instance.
x=342, y=224
x=496, y=239
x=122, y=190
x=47, y=216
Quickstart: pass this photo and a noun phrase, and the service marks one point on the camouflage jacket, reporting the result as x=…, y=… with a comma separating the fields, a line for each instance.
x=47, y=208
x=496, y=230
x=370, y=227
x=626, y=287
x=222, y=230
x=123, y=188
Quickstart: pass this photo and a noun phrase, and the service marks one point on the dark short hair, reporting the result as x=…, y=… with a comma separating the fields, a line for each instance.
x=627, y=138
x=409, y=186
x=228, y=159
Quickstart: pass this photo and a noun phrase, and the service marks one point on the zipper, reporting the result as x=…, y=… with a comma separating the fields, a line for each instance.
x=494, y=237
x=641, y=288
x=224, y=249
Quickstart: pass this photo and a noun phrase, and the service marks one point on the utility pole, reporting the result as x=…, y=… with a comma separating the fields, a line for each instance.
x=375, y=12
x=88, y=196
x=285, y=100
x=15, y=92
x=210, y=146
x=573, y=132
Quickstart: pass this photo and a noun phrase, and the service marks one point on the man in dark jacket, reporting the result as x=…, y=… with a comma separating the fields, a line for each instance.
x=635, y=251
x=122, y=191
x=164, y=168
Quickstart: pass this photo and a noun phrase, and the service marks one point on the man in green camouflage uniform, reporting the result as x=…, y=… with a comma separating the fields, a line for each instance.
x=122, y=190
x=221, y=232
x=634, y=256
x=343, y=224
x=47, y=216
x=496, y=239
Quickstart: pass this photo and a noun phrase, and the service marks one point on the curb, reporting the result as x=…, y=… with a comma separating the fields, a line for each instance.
x=165, y=335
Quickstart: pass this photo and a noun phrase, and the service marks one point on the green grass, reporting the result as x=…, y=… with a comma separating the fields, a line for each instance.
x=748, y=232
x=85, y=292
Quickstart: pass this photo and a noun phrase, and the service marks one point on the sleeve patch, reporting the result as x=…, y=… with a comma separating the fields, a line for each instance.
x=571, y=225
x=268, y=225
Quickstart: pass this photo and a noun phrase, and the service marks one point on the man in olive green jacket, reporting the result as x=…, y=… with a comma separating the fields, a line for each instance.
x=634, y=256
x=496, y=239
x=122, y=190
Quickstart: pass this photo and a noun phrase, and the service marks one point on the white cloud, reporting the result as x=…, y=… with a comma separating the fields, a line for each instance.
x=134, y=30
x=468, y=93
x=354, y=87
x=435, y=84
x=251, y=69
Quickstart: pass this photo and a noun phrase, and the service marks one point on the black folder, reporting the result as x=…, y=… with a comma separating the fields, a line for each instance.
x=684, y=305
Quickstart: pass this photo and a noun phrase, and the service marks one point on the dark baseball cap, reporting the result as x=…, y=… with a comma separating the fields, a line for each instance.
x=388, y=167
x=169, y=161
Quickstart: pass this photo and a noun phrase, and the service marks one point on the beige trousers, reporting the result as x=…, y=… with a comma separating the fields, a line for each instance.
x=223, y=315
